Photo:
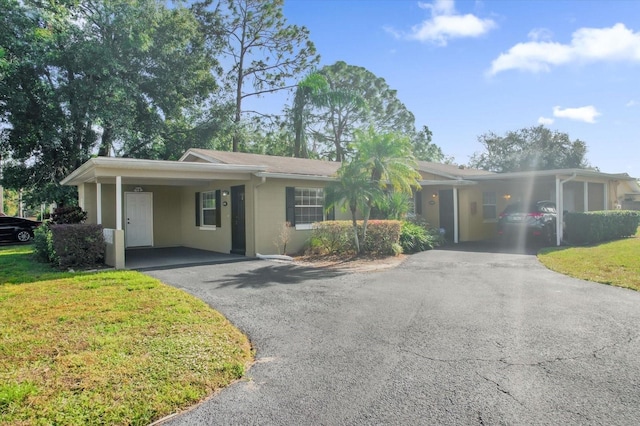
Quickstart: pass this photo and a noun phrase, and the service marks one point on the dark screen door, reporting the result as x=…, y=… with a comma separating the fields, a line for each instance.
x=446, y=212
x=238, y=230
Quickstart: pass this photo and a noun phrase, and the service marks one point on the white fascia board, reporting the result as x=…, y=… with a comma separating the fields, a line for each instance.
x=296, y=176
x=550, y=173
x=457, y=182
x=109, y=166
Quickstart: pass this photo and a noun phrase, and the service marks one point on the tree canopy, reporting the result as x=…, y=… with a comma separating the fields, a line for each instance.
x=334, y=102
x=534, y=148
x=95, y=75
x=266, y=53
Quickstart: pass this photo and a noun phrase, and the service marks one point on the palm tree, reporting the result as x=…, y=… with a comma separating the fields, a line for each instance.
x=314, y=91
x=389, y=161
x=352, y=190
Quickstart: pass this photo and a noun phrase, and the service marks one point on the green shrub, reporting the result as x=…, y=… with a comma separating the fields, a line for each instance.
x=333, y=236
x=416, y=237
x=336, y=237
x=78, y=245
x=68, y=215
x=381, y=236
x=43, y=244
x=595, y=227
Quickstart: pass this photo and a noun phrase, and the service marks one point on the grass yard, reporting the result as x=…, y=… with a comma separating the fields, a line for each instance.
x=112, y=347
x=615, y=263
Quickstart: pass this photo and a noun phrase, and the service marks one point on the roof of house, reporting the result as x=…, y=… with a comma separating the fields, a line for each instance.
x=309, y=167
x=450, y=170
x=271, y=163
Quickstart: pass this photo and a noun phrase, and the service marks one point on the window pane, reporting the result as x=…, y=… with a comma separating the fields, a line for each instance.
x=309, y=205
x=208, y=200
x=489, y=212
x=209, y=217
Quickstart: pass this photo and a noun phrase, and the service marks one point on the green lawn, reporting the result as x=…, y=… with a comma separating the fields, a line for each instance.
x=113, y=347
x=615, y=263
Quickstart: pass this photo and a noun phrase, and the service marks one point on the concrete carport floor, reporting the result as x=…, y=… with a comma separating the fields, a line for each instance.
x=449, y=337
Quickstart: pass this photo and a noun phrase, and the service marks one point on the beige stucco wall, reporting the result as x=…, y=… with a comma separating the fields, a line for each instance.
x=271, y=205
x=218, y=239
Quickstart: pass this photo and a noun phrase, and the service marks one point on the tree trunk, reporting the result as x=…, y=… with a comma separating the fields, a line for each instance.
x=355, y=229
x=106, y=143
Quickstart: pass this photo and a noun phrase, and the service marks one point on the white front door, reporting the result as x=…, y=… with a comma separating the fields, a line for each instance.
x=138, y=208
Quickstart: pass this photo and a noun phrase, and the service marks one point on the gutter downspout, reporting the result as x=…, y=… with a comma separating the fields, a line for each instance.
x=263, y=179
x=560, y=206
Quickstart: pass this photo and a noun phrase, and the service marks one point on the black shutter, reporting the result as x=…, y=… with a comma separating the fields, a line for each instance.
x=418, y=202
x=197, y=209
x=218, y=210
x=291, y=205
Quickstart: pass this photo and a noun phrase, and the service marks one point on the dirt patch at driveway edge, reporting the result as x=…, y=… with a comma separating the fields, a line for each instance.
x=351, y=264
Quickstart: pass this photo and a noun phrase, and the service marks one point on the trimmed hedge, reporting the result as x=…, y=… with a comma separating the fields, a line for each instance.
x=595, y=227
x=336, y=237
x=78, y=244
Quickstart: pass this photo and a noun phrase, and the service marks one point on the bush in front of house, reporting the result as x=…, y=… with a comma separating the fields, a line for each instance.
x=69, y=245
x=595, y=227
x=336, y=237
x=78, y=244
x=416, y=237
x=68, y=215
x=43, y=244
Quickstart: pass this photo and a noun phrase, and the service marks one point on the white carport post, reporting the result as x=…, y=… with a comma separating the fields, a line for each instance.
x=586, y=197
x=560, y=212
x=98, y=203
x=455, y=215
x=119, y=203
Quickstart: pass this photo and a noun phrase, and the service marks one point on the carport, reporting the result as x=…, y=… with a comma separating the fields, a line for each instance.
x=147, y=259
x=105, y=185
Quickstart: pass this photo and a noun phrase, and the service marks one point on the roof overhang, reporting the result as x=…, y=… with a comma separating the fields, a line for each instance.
x=451, y=183
x=161, y=172
x=316, y=178
x=560, y=173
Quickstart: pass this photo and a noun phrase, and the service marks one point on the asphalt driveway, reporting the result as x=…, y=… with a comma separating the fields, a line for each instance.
x=449, y=337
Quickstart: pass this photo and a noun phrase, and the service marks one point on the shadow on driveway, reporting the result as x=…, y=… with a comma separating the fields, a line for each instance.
x=272, y=275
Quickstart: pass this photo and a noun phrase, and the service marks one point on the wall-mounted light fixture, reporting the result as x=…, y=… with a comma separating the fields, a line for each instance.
x=225, y=193
x=138, y=189
x=507, y=196
x=434, y=195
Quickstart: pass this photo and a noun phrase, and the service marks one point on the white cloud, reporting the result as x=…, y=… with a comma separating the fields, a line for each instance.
x=545, y=121
x=445, y=24
x=617, y=43
x=631, y=103
x=587, y=114
x=540, y=34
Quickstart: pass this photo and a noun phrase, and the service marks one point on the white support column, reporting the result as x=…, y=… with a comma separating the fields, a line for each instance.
x=586, y=197
x=560, y=213
x=455, y=215
x=606, y=195
x=99, y=203
x=119, y=203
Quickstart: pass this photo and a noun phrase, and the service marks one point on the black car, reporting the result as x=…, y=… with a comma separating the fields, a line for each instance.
x=17, y=228
x=535, y=220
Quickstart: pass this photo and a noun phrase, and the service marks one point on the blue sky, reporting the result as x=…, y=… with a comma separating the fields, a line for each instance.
x=465, y=68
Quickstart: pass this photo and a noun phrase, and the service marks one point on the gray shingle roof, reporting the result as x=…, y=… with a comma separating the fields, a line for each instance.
x=308, y=167
x=273, y=164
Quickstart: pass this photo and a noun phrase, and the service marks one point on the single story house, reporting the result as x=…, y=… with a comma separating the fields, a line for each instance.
x=234, y=202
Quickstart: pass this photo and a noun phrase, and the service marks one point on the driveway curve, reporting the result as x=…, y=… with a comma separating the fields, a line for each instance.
x=449, y=337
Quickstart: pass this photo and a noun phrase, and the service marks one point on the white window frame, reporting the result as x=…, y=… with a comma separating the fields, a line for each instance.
x=203, y=225
x=489, y=199
x=305, y=226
